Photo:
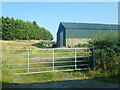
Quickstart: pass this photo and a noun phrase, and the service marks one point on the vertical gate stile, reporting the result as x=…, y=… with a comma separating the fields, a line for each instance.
x=28, y=59
x=53, y=58
x=86, y=54
x=75, y=58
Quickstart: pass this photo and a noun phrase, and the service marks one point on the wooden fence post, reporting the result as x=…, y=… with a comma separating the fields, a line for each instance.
x=94, y=58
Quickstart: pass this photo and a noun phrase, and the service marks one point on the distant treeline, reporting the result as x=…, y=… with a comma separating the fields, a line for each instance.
x=16, y=29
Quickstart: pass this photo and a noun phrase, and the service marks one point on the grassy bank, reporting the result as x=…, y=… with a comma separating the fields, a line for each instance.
x=43, y=77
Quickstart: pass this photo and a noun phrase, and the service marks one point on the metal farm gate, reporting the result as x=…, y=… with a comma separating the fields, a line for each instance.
x=29, y=61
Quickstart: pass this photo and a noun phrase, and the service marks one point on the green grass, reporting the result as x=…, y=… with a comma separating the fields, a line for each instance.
x=42, y=77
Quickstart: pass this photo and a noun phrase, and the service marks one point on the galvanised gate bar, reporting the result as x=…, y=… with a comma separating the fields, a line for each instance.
x=30, y=61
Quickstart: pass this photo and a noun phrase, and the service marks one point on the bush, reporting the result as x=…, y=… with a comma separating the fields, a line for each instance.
x=82, y=45
x=107, y=50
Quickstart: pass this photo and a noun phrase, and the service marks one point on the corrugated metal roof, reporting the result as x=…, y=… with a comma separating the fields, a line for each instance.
x=89, y=26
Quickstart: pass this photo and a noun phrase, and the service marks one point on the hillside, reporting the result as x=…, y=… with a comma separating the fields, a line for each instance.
x=16, y=29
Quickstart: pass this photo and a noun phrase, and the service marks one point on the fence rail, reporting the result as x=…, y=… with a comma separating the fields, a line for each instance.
x=69, y=59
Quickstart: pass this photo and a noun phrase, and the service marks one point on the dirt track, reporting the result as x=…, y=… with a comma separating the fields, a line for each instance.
x=83, y=83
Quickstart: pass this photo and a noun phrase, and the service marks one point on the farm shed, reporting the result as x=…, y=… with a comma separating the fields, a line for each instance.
x=71, y=34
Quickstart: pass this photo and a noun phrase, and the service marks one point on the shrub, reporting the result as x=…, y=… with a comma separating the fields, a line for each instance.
x=107, y=50
x=82, y=45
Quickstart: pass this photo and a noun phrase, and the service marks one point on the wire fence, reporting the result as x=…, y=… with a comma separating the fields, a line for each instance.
x=29, y=61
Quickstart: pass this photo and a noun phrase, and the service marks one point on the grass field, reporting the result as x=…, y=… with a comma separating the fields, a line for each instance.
x=21, y=44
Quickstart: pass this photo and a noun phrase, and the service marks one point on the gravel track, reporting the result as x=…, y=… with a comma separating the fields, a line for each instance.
x=83, y=83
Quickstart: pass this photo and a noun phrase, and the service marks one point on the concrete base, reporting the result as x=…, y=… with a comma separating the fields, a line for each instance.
x=73, y=41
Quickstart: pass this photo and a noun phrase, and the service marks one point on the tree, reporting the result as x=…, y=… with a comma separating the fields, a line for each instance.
x=35, y=23
x=13, y=29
